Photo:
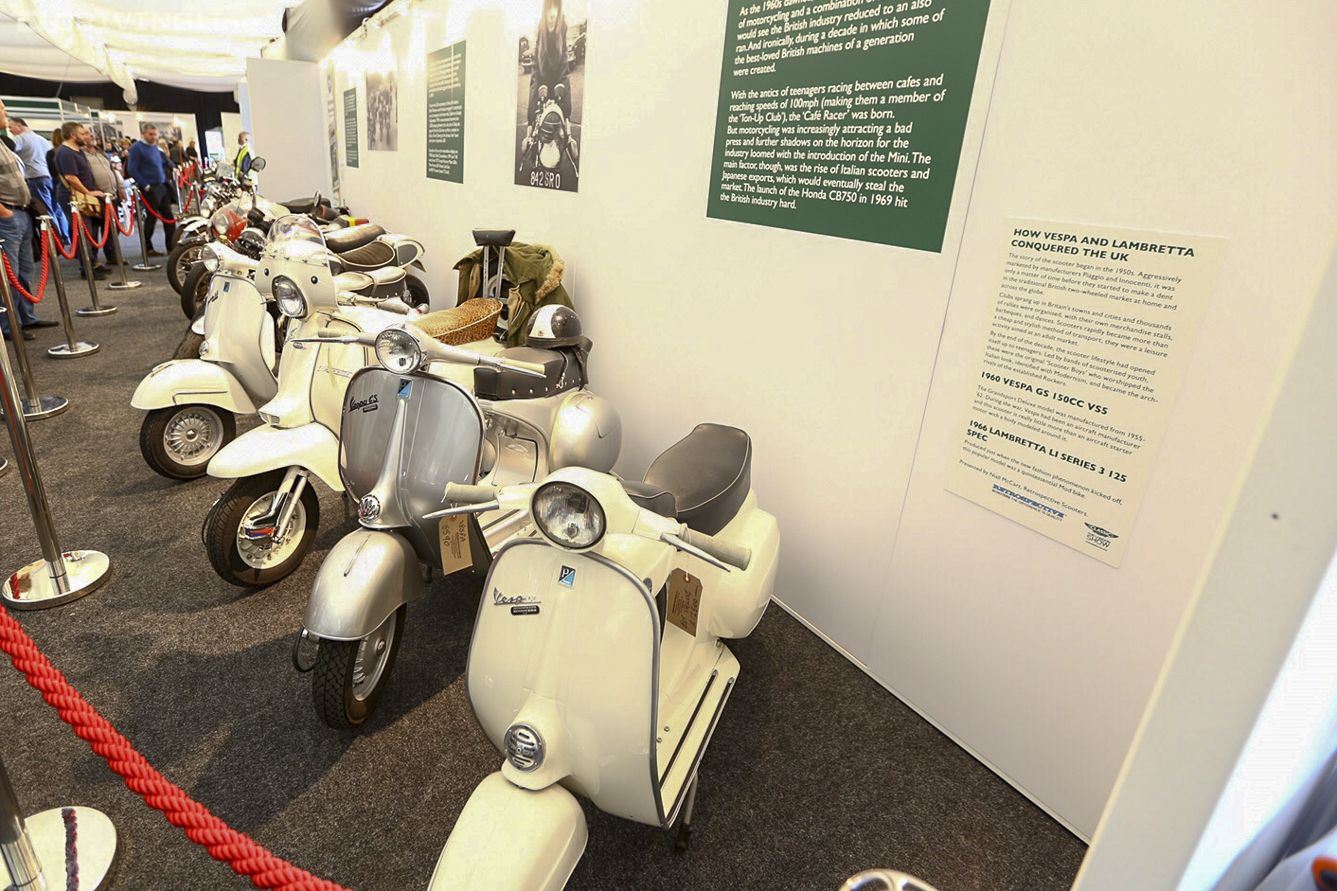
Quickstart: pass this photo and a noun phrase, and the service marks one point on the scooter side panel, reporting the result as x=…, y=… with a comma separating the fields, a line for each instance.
x=578, y=630
x=365, y=578
x=512, y=839
x=269, y=448
x=733, y=602
x=191, y=382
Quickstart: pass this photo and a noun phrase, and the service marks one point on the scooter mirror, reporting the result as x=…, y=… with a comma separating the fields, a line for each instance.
x=258, y=164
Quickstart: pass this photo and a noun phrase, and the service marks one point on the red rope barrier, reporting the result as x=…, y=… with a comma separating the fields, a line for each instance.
x=41, y=287
x=129, y=231
x=106, y=228
x=245, y=856
x=74, y=243
x=155, y=213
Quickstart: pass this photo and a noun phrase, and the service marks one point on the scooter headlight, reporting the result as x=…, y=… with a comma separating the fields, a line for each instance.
x=568, y=516
x=210, y=258
x=220, y=222
x=398, y=351
x=291, y=302
x=524, y=747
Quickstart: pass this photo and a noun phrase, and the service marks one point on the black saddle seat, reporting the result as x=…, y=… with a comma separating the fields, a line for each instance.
x=353, y=237
x=652, y=498
x=561, y=372
x=709, y=473
x=303, y=205
x=379, y=283
x=368, y=257
x=494, y=237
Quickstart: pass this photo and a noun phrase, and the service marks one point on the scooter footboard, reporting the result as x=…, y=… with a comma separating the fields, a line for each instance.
x=512, y=839
x=365, y=578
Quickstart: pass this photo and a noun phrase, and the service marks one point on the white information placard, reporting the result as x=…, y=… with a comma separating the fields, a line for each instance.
x=1087, y=340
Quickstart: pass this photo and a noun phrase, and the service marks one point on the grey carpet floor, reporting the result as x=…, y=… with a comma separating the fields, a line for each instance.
x=815, y=772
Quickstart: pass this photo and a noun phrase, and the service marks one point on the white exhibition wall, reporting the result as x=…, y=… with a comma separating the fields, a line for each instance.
x=845, y=361
x=289, y=135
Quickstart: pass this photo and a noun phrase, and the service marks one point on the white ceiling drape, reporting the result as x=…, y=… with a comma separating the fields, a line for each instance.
x=196, y=44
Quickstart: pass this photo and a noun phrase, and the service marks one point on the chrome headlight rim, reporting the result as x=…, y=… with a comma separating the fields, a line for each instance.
x=588, y=536
x=219, y=222
x=288, y=297
x=393, y=340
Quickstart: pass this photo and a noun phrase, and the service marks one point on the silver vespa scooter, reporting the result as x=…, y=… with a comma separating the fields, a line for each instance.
x=410, y=427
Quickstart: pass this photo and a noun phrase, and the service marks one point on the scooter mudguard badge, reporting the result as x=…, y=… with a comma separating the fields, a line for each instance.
x=405, y=388
x=566, y=577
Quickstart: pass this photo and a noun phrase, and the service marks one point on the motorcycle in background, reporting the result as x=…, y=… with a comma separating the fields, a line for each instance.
x=410, y=427
x=598, y=664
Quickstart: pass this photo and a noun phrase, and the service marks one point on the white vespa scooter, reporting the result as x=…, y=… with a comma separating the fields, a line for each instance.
x=597, y=665
x=408, y=430
x=261, y=528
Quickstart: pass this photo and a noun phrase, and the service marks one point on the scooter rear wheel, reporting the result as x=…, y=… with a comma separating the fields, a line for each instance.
x=351, y=675
x=245, y=563
x=179, y=261
x=179, y=441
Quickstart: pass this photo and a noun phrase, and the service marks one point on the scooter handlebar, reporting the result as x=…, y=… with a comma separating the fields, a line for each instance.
x=459, y=493
x=529, y=368
x=437, y=350
x=738, y=557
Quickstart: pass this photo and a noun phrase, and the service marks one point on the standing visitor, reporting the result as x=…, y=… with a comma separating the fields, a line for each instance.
x=76, y=183
x=149, y=167
x=16, y=231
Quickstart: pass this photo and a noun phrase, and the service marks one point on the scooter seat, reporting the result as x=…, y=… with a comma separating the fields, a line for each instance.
x=494, y=237
x=369, y=256
x=709, y=473
x=652, y=498
x=560, y=372
x=354, y=282
x=472, y=320
x=303, y=205
x=353, y=237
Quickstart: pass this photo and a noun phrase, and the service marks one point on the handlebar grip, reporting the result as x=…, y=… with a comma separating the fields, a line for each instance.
x=394, y=305
x=734, y=555
x=462, y=494
x=330, y=332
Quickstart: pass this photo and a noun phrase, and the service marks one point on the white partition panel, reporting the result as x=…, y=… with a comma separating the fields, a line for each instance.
x=288, y=127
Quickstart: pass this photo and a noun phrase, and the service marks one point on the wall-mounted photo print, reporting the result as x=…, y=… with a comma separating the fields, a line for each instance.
x=382, y=111
x=552, y=94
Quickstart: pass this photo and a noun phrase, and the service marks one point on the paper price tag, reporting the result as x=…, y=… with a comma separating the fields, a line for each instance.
x=454, y=535
x=684, y=600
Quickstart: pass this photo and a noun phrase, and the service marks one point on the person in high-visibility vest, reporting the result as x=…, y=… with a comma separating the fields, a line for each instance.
x=243, y=162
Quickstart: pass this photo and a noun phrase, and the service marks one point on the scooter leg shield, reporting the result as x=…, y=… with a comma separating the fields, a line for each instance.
x=512, y=839
x=365, y=578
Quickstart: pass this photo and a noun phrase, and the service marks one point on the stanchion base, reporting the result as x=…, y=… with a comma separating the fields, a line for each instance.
x=44, y=407
x=144, y=267
x=124, y=286
x=89, y=311
x=95, y=846
x=33, y=588
x=65, y=351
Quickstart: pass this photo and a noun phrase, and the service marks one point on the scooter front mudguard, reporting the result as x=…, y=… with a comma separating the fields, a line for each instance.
x=512, y=839
x=269, y=448
x=365, y=578
x=191, y=382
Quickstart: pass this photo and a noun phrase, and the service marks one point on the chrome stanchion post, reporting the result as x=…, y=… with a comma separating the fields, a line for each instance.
x=143, y=265
x=115, y=234
x=97, y=309
x=63, y=849
x=34, y=407
x=71, y=348
x=60, y=576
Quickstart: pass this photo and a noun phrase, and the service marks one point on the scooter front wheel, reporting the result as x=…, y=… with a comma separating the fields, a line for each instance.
x=350, y=675
x=179, y=441
x=252, y=564
x=195, y=290
x=179, y=261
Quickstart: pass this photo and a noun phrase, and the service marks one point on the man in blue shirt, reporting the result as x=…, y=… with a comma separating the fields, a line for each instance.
x=16, y=233
x=77, y=176
x=149, y=168
x=32, y=148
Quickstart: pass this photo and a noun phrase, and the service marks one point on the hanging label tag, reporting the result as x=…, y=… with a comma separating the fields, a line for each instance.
x=684, y=600
x=455, y=553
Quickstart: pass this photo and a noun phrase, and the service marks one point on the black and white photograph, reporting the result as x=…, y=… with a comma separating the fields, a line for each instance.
x=382, y=111
x=551, y=98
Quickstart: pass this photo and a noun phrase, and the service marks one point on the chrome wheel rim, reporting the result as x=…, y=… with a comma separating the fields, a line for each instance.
x=187, y=259
x=373, y=652
x=193, y=436
x=258, y=555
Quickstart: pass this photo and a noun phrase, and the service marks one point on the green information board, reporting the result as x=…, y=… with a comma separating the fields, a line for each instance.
x=845, y=117
x=350, y=127
x=445, y=114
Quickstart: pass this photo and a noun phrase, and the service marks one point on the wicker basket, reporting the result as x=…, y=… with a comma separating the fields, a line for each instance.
x=472, y=320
